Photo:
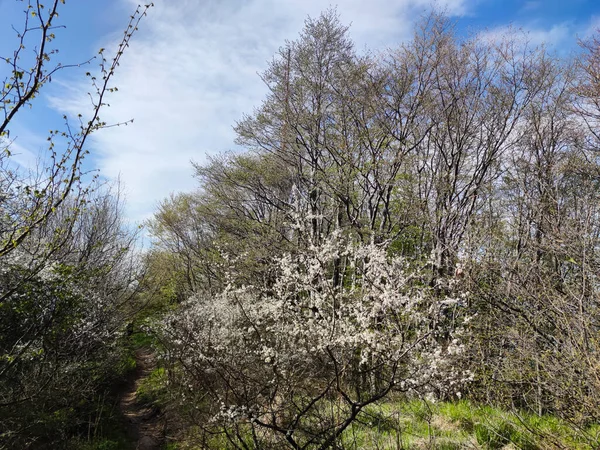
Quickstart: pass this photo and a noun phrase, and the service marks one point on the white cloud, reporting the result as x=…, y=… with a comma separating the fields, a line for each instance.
x=592, y=28
x=28, y=151
x=23, y=158
x=191, y=72
x=555, y=36
x=534, y=36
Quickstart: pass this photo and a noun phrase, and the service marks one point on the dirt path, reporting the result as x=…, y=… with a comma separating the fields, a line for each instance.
x=145, y=425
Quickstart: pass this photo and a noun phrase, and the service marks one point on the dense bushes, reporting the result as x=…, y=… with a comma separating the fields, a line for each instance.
x=63, y=315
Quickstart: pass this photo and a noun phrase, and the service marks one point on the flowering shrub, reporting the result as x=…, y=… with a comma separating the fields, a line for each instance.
x=341, y=326
x=62, y=313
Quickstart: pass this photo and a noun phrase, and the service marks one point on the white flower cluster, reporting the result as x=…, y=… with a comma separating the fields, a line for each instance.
x=334, y=308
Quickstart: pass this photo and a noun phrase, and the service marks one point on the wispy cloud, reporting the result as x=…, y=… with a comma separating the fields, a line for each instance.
x=554, y=37
x=28, y=150
x=531, y=6
x=191, y=72
x=23, y=158
x=592, y=28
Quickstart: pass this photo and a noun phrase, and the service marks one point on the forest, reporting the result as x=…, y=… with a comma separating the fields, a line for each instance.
x=403, y=253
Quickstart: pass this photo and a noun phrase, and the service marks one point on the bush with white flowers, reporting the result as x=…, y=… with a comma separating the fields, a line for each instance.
x=342, y=326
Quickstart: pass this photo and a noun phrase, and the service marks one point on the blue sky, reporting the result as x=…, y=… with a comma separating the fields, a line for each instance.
x=191, y=72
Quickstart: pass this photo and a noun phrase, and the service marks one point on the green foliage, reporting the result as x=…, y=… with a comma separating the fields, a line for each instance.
x=152, y=388
x=143, y=340
x=66, y=262
x=111, y=436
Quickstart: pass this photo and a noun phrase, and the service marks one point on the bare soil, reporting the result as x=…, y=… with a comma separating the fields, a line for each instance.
x=145, y=424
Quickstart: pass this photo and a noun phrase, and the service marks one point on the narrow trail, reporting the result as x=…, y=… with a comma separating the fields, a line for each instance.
x=145, y=425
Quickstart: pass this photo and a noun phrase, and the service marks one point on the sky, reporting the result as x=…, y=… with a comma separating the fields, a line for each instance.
x=193, y=70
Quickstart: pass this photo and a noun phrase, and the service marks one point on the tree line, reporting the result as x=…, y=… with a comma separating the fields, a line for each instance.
x=417, y=222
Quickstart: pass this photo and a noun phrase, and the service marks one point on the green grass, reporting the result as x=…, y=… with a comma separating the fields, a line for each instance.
x=141, y=339
x=112, y=435
x=152, y=388
x=461, y=425
x=419, y=425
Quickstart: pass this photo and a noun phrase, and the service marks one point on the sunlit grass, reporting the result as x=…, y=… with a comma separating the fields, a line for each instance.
x=419, y=424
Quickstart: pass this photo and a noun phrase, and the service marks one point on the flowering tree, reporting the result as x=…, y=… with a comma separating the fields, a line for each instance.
x=299, y=360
